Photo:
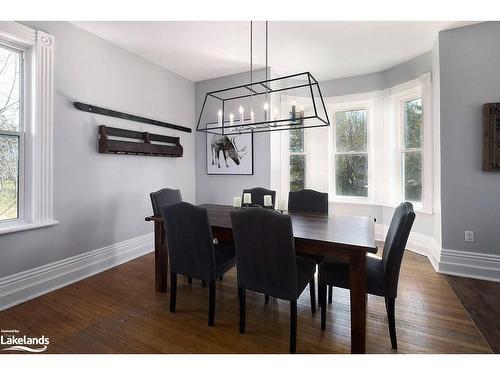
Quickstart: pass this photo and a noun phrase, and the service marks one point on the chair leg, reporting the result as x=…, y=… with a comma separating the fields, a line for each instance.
x=190, y=280
x=312, y=295
x=211, y=303
x=203, y=283
x=266, y=298
x=330, y=294
x=293, y=326
x=322, y=292
x=243, y=312
x=173, y=290
x=390, y=304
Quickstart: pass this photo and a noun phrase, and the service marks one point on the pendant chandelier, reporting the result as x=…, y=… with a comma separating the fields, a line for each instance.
x=284, y=103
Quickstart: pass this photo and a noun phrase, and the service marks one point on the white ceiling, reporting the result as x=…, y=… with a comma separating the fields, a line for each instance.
x=200, y=50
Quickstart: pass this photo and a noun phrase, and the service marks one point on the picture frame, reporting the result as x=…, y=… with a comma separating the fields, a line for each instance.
x=229, y=154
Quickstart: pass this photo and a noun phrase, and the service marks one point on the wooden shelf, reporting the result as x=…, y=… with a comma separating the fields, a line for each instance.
x=491, y=137
x=166, y=146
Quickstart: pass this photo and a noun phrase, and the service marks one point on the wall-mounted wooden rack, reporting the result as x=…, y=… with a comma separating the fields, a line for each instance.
x=127, y=116
x=491, y=137
x=167, y=146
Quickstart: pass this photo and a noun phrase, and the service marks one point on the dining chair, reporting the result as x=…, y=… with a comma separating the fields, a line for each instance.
x=162, y=197
x=308, y=201
x=312, y=202
x=192, y=250
x=266, y=262
x=382, y=274
x=258, y=195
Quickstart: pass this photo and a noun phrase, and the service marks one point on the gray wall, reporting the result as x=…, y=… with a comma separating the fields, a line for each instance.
x=401, y=73
x=470, y=76
x=222, y=188
x=102, y=199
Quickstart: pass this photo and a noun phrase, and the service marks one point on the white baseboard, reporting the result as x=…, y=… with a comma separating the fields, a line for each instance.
x=451, y=262
x=417, y=243
x=468, y=264
x=23, y=286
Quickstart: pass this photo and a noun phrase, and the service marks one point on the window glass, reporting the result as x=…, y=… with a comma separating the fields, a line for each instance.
x=413, y=123
x=10, y=116
x=297, y=172
x=351, y=130
x=351, y=156
x=413, y=176
x=412, y=152
x=351, y=175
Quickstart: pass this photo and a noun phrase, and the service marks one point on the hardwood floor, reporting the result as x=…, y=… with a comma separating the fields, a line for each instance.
x=118, y=311
x=482, y=301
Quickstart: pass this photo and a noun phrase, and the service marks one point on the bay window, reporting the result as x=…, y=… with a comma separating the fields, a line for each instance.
x=378, y=149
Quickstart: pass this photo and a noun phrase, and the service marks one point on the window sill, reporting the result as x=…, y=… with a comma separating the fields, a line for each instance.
x=371, y=203
x=20, y=226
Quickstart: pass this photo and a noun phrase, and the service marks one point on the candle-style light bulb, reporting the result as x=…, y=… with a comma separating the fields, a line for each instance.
x=266, y=111
x=241, y=110
x=231, y=119
x=252, y=117
x=275, y=115
x=219, y=121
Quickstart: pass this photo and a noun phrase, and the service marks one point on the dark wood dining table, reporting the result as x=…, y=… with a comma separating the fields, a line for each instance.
x=346, y=237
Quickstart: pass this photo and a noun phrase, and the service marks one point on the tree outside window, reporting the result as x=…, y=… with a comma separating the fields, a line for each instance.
x=351, y=153
x=297, y=159
x=10, y=134
x=412, y=150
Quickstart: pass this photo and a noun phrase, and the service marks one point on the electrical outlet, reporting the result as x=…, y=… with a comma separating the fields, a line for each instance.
x=469, y=236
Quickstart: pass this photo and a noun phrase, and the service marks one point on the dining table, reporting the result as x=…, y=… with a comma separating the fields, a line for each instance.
x=349, y=238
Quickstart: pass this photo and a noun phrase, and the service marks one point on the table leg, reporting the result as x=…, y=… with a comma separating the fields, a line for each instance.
x=161, y=258
x=357, y=276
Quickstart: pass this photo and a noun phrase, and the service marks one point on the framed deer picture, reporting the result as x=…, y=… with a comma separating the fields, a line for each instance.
x=230, y=154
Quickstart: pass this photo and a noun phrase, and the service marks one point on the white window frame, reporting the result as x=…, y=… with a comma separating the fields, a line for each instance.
x=397, y=97
x=20, y=133
x=36, y=173
x=364, y=101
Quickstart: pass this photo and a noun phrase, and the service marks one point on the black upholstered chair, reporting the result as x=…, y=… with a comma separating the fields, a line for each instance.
x=382, y=274
x=258, y=195
x=192, y=251
x=164, y=196
x=312, y=202
x=266, y=261
x=308, y=201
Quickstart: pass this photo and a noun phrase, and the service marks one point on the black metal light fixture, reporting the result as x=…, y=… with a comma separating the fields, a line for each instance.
x=291, y=102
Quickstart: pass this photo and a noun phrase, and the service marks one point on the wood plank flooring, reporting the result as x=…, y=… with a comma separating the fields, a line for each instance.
x=481, y=299
x=118, y=311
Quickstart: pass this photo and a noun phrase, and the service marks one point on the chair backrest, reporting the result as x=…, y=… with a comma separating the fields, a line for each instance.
x=395, y=244
x=258, y=195
x=307, y=200
x=164, y=196
x=190, y=242
x=265, y=252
